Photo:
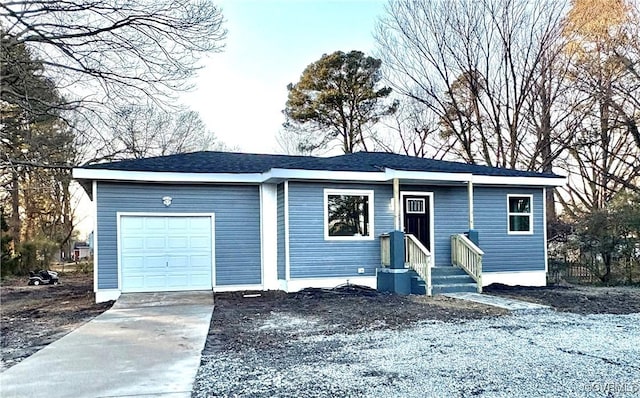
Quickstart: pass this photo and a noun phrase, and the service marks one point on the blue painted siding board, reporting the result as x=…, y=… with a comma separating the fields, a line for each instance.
x=504, y=252
x=310, y=255
x=281, y=229
x=237, y=224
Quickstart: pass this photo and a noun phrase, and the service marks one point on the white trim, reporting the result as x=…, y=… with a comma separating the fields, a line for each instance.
x=432, y=226
x=278, y=174
x=297, y=284
x=544, y=229
x=426, y=175
x=107, y=295
x=269, y=235
x=523, y=278
x=94, y=194
x=302, y=174
x=282, y=285
x=156, y=176
x=287, y=263
x=237, y=288
x=349, y=192
x=530, y=214
x=121, y=214
x=528, y=181
x=419, y=200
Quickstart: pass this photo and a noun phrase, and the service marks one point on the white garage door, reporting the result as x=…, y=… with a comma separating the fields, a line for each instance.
x=164, y=253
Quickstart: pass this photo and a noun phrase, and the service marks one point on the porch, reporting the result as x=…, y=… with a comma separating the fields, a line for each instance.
x=408, y=266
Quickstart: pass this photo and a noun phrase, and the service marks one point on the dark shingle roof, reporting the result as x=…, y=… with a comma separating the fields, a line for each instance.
x=203, y=162
x=227, y=162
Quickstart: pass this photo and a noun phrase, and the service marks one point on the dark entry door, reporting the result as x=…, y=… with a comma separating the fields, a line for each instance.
x=417, y=218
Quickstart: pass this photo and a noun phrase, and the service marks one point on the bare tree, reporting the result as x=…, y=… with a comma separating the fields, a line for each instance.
x=412, y=130
x=143, y=131
x=602, y=36
x=101, y=50
x=475, y=67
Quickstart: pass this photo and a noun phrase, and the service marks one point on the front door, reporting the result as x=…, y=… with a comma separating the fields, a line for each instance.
x=417, y=220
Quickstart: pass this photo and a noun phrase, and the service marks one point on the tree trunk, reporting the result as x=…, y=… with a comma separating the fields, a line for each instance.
x=15, y=209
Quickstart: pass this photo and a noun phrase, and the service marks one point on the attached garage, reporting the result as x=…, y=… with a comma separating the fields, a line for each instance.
x=165, y=252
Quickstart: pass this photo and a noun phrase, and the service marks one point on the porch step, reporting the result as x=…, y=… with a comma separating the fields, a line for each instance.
x=454, y=288
x=418, y=285
x=447, y=279
x=447, y=270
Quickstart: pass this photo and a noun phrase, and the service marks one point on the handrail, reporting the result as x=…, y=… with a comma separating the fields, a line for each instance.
x=466, y=255
x=418, y=258
x=385, y=250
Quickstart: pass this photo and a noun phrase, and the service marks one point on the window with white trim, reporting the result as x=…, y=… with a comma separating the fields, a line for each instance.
x=520, y=214
x=348, y=214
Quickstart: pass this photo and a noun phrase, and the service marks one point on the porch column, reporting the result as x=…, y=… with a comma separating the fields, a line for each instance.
x=472, y=234
x=470, y=198
x=396, y=204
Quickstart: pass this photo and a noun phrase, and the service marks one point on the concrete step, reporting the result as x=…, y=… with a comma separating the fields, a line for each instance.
x=418, y=286
x=454, y=288
x=449, y=270
x=451, y=279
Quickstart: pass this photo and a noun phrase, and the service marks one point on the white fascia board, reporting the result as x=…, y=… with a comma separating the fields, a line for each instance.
x=300, y=174
x=522, y=181
x=154, y=176
x=427, y=175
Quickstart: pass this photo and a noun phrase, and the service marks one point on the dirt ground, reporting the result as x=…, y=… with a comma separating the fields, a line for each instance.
x=345, y=311
x=33, y=316
x=355, y=310
x=577, y=299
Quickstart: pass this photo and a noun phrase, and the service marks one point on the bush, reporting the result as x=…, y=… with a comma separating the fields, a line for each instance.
x=32, y=255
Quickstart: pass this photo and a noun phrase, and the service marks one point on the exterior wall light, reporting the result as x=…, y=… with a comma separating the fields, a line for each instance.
x=167, y=200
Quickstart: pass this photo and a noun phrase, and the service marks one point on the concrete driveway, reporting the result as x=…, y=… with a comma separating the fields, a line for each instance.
x=147, y=344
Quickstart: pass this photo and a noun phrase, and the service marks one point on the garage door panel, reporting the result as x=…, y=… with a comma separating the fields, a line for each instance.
x=151, y=281
x=166, y=253
x=178, y=262
x=200, y=223
x=155, y=243
x=178, y=242
x=179, y=223
x=155, y=223
x=133, y=243
x=200, y=262
x=132, y=223
x=133, y=283
x=200, y=242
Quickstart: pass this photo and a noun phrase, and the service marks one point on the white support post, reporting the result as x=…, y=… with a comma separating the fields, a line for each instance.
x=470, y=198
x=396, y=204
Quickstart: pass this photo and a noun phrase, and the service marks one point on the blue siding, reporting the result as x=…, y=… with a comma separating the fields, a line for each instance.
x=504, y=252
x=311, y=256
x=237, y=224
x=281, y=228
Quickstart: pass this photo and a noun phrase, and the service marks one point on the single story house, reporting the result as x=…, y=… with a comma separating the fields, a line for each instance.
x=236, y=221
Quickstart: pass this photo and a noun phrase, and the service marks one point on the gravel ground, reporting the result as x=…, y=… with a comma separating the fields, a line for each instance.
x=543, y=354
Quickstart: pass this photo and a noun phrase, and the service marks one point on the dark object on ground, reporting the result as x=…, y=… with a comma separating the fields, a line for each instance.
x=43, y=277
x=575, y=298
x=346, y=289
x=32, y=318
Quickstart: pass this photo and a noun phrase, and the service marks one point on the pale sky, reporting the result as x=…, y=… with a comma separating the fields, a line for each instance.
x=241, y=92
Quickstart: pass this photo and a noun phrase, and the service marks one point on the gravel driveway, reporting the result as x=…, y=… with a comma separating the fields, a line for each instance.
x=521, y=355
